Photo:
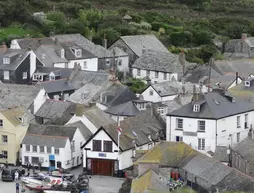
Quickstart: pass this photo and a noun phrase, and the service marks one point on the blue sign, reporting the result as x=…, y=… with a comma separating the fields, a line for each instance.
x=102, y=155
x=51, y=157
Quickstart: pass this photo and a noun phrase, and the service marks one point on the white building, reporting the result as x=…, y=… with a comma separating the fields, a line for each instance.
x=101, y=156
x=211, y=119
x=121, y=60
x=53, y=146
x=158, y=67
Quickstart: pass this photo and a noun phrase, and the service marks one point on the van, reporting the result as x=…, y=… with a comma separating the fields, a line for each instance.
x=8, y=174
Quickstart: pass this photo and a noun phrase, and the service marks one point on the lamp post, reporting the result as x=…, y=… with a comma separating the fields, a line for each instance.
x=229, y=156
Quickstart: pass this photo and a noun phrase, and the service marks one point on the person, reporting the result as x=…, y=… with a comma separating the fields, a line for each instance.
x=17, y=187
x=16, y=176
x=33, y=169
x=40, y=166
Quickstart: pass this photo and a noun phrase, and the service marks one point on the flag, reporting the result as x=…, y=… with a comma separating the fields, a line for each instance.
x=119, y=130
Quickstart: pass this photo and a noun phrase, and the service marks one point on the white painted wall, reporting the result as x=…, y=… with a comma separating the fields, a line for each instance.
x=32, y=63
x=152, y=75
x=85, y=121
x=225, y=127
x=155, y=97
x=79, y=140
x=40, y=99
x=92, y=64
x=125, y=64
x=14, y=44
x=60, y=65
x=239, y=80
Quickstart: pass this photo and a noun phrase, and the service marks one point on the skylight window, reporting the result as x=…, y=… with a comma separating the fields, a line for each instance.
x=134, y=133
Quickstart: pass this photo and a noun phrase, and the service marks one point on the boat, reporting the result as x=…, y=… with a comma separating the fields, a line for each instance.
x=61, y=174
x=37, y=187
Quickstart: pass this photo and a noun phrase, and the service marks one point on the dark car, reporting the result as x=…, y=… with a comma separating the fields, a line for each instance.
x=8, y=174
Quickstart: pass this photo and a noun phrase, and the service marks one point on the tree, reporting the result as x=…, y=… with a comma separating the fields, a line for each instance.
x=57, y=16
x=136, y=85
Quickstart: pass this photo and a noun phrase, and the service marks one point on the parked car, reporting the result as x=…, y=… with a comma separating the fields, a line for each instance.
x=8, y=174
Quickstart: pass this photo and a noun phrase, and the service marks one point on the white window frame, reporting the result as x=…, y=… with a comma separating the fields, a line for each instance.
x=238, y=137
x=28, y=148
x=5, y=153
x=6, y=75
x=42, y=148
x=180, y=138
x=5, y=139
x=142, y=105
x=238, y=121
x=160, y=110
x=201, y=125
x=201, y=144
x=156, y=74
x=148, y=73
x=35, y=148
x=196, y=108
x=6, y=60
x=24, y=75
x=138, y=72
x=48, y=149
x=78, y=53
x=179, y=124
x=58, y=151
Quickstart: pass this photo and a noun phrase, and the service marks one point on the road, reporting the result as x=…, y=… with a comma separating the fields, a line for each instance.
x=97, y=184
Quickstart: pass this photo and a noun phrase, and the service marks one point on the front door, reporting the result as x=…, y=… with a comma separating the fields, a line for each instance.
x=102, y=167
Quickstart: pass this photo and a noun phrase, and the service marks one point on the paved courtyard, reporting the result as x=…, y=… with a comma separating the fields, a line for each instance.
x=98, y=184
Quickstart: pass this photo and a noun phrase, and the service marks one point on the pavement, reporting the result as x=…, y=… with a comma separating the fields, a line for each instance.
x=97, y=184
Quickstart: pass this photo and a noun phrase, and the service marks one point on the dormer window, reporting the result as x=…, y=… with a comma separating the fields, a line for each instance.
x=247, y=83
x=6, y=60
x=196, y=108
x=78, y=53
x=62, y=53
x=43, y=56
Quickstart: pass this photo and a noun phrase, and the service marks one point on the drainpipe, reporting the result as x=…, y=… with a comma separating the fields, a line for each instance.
x=169, y=129
x=216, y=133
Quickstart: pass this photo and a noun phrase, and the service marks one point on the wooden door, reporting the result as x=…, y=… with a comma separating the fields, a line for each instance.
x=102, y=167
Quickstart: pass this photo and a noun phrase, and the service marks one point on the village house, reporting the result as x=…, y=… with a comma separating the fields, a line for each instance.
x=240, y=48
x=13, y=123
x=209, y=120
x=203, y=174
x=160, y=66
x=52, y=146
x=134, y=45
x=101, y=153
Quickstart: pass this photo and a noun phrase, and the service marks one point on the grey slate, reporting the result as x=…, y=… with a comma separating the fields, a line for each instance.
x=34, y=43
x=63, y=72
x=224, y=81
x=83, y=129
x=49, y=141
x=128, y=109
x=211, y=110
x=138, y=42
x=220, y=154
x=246, y=149
x=56, y=86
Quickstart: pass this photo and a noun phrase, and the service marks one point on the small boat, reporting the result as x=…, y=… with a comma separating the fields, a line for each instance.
x=37, y=187
x=61, y=174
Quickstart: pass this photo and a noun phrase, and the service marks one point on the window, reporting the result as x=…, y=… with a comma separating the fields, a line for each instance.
x=28, y=148
x=238, y=121
x=179, y=138
x=24, y=75
x=201, y=125
x=35, y=160
x=1, y=123
x=37, y=77
x=6, y=75
x=48, y=149
x=56, y=151
x=78, y=53
x=148, y=73
x=238, y=137
x=246, y=121
x=107, y=146
x=85, y=65
x=6, y=60
x=26, y=159
x=42, y=149
x=196, y=108
x=5, y=154
x=34, y=148
x=4, y=139
x=156, y=74
x=96, y=145
x=151, y=92
x=201, y=144
x=179, y=123
x=119, y=62
x=165, y=76
x=142, y=105
x=160, y=110
x=138, y=72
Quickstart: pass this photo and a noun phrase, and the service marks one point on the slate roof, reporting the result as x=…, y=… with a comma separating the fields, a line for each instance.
x=34, y=42
x=150, y=180
x=52, y=130
x=243, y=92
x=214, y=106
x=160, y=61
x=83, y=129
x=117, y=94
x=57, y=112
x=63, y=72
x=138, y=42
x=142, y=125
x=51, y=55
x=56, y=86
x=97, y=117
x=80, y=40
x=224, y=81
x=16, y=58
x=220, y=154
x=246, y=149
x=118, y=52
x=70, y=55
x=15, y=95
x=13, y=114
x=50, y=141
x=128, y=109
x=169, y=154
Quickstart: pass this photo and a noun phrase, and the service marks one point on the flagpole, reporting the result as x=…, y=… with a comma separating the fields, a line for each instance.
x=118, y=135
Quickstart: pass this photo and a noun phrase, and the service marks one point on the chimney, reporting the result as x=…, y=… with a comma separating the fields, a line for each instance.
x=236, y=78
x=4, y=47
x=244, y=36
x=79, y=111
x=105, y=42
